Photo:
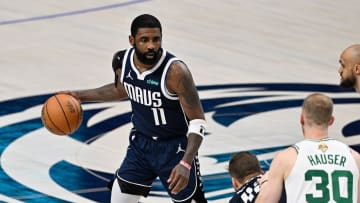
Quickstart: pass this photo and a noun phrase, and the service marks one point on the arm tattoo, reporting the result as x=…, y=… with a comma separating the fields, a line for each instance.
x=190, y=94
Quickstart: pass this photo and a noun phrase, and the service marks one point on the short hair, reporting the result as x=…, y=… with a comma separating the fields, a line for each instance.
x=355, y=53
x=243, y=164
x=144, y=21
x=318, y=109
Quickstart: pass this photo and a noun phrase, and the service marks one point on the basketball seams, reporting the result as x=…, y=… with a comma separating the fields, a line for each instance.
x=62, y=114
x=49, y=118
x=78, y=110
x=63, y=111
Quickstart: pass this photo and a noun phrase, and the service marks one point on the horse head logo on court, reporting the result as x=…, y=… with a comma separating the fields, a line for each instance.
x=261, y=118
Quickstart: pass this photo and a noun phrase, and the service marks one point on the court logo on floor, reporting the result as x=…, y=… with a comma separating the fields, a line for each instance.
x=38, y=166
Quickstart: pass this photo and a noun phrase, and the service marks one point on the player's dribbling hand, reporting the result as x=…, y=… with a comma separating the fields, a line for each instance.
x=178, y=179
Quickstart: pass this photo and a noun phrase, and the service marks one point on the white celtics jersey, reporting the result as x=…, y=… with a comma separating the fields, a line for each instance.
x=325, y=171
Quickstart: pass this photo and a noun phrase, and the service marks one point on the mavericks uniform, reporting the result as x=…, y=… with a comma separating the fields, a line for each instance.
x=249, y=191
x=158, y=139
x=324, y=171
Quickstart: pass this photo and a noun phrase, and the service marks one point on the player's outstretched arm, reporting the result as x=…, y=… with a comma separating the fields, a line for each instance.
x=271, y=188
x=101, y=94
x=179, y=81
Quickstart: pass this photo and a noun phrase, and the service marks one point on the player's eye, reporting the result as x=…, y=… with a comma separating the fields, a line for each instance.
x=144, y=39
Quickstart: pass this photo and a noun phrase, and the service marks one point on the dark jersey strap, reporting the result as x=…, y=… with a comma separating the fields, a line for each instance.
x=117, y=63
x=248, y=192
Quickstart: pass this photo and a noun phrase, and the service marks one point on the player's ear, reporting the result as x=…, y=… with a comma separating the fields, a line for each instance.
x=131, y=40
x=235, y=183
x=332, y=119
x=357, y=68
x=302, y=120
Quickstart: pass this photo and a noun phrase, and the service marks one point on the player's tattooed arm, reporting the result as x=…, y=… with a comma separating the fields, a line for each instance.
x=101, y=94
x=179, y=81
x=108, y=92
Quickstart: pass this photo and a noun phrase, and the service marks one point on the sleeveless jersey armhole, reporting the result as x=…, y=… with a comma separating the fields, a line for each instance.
x=123, y=63
x=117, y=63
x=296, y=148
x=164, y=89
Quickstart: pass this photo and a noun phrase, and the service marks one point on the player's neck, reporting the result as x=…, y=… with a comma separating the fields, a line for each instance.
x=141, y=67
x=315, y=133
x=246, y=179
x=357, y=87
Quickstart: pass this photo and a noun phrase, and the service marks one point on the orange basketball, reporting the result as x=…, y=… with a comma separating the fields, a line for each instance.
x=62, y=114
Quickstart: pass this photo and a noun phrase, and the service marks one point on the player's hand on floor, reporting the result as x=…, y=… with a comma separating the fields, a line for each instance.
x=178, y=179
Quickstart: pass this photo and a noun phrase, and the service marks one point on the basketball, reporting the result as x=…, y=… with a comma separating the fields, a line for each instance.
x=62, y=114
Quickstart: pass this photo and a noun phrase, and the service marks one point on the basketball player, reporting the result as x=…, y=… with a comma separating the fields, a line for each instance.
x=350, y=67
x=246, y=177
x=317, y=169
x=167, y=116
x=245, y=171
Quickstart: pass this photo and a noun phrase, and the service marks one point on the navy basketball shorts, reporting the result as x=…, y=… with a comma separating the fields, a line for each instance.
x=147, y=158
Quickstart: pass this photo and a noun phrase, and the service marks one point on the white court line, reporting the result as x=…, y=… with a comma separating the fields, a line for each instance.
x=8, y=199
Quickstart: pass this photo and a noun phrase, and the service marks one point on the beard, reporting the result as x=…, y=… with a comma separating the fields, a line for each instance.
x=143, y=56
x=348, y=82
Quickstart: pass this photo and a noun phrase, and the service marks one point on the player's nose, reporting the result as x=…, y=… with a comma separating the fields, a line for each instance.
x=340, y=70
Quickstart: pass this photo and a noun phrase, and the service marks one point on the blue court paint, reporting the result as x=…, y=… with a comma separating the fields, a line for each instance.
x=80, y=181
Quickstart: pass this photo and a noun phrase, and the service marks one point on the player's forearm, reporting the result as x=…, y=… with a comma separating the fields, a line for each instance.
x=193, y=145
x=102, y=94
x=270, y=191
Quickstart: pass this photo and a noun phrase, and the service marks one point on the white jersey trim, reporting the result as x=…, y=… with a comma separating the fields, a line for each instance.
x=123, y=65
x=164, y=89
x=117, y=175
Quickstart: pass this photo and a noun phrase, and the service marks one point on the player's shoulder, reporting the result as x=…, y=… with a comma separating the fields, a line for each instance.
x=176, y=63
x=289, y=152
x=119, y=53
x=117, y=59
x=178, y=69
x=284, y=159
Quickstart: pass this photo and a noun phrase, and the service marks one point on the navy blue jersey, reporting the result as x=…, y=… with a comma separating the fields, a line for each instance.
x=248, y=192
x=156, y=112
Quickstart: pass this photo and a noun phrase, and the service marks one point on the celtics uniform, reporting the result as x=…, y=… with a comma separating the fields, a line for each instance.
x=325, y=171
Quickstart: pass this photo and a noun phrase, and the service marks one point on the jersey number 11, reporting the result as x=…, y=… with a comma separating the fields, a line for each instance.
x=159, y=116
